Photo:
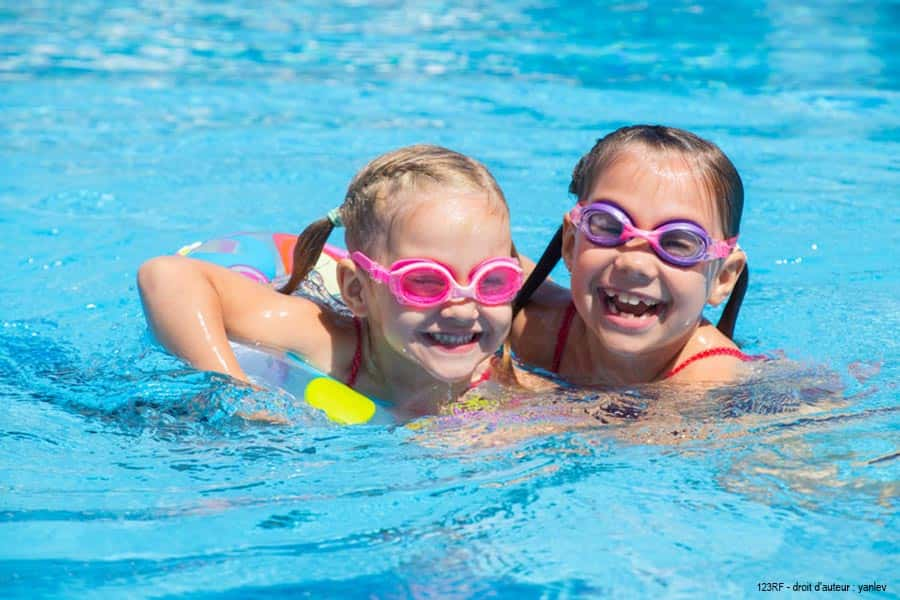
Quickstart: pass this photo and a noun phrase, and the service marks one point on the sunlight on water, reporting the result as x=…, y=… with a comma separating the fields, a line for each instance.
x=130, y=130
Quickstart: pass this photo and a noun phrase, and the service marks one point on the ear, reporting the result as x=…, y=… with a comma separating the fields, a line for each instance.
x=568, y=241
x=350, y=281
x=727, y=277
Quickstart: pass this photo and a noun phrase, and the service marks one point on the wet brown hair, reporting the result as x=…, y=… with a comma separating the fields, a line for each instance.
x=369, y=207
x=713, y=169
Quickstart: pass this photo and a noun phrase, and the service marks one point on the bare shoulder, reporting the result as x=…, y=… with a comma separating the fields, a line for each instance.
x=536, y=327
x=324, y=338
x=337, y=351
x=713, y=368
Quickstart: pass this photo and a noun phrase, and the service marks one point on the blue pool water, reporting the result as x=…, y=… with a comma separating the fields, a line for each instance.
x=128, y=129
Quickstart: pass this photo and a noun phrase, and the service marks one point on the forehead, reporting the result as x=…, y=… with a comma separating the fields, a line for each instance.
x=457, y=227
x=655, y=187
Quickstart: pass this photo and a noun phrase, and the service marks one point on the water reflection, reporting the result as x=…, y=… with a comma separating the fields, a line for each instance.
x=683, y=44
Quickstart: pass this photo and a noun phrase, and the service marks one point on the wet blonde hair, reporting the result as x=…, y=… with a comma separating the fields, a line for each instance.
x=371, y=202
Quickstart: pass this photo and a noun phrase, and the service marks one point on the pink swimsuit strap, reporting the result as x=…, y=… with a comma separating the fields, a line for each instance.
x=357, y=354
x=561, y=336
x=717, y=351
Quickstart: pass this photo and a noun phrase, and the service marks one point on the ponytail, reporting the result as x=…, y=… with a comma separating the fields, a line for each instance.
x=733, y=306
x=502, y=367
x=308, y=248
x=549, y=259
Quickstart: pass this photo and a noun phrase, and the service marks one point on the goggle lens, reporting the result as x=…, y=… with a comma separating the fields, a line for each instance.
x=682, y=243
x=498, y=285
x=604, y=228
x=424, y=284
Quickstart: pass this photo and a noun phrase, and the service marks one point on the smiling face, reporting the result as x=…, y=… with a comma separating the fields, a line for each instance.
x=459, y=228
x=636, y=304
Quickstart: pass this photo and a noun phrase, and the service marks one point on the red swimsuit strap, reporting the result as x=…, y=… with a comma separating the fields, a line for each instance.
x=484, y=377
x=561, y=336
x=357, y=354
x=717, y=351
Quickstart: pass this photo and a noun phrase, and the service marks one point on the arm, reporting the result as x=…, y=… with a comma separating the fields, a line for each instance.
x=193, y=307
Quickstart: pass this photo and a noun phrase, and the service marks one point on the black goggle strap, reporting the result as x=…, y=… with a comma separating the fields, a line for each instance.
x=549, y=259
x=729, y=316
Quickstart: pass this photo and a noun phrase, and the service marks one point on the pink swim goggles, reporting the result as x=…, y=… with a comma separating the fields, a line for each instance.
x=680, y=243
x=424, y=283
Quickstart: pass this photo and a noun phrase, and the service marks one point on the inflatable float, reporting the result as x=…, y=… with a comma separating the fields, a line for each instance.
x=268, y=258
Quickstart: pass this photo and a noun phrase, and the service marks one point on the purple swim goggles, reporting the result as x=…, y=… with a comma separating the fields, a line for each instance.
x=679, y=243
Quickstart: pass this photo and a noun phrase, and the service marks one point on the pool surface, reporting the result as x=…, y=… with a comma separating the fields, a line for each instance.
x=130, y=129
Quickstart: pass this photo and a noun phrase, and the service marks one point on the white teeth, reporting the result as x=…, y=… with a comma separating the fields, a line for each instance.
x=626, y=298
x=629, y=299
x=449, y=339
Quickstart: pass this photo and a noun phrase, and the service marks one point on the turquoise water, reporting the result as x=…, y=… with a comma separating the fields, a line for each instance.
x=127, y=131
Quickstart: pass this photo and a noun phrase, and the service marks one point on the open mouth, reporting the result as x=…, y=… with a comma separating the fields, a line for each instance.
x=452, y=340
x=632, y=306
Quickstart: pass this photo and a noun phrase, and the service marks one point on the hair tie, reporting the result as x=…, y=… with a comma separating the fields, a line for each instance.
x=334, y=215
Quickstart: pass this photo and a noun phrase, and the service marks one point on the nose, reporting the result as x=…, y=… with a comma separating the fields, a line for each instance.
x=636, y=259
x=460, y=309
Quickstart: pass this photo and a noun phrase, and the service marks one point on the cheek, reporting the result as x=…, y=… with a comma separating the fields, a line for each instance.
x=586, y=265
x=706, y=277
x=711, y=272
x=691, y=286
x=406, y=320
x=390, y=314
x=500, y=317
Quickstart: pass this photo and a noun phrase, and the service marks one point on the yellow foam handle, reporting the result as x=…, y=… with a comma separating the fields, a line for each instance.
x=339, y=402
x=185, y=250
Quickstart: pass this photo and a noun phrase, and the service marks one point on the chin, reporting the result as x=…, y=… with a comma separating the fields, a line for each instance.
x=450, y=371
x=625, y=345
